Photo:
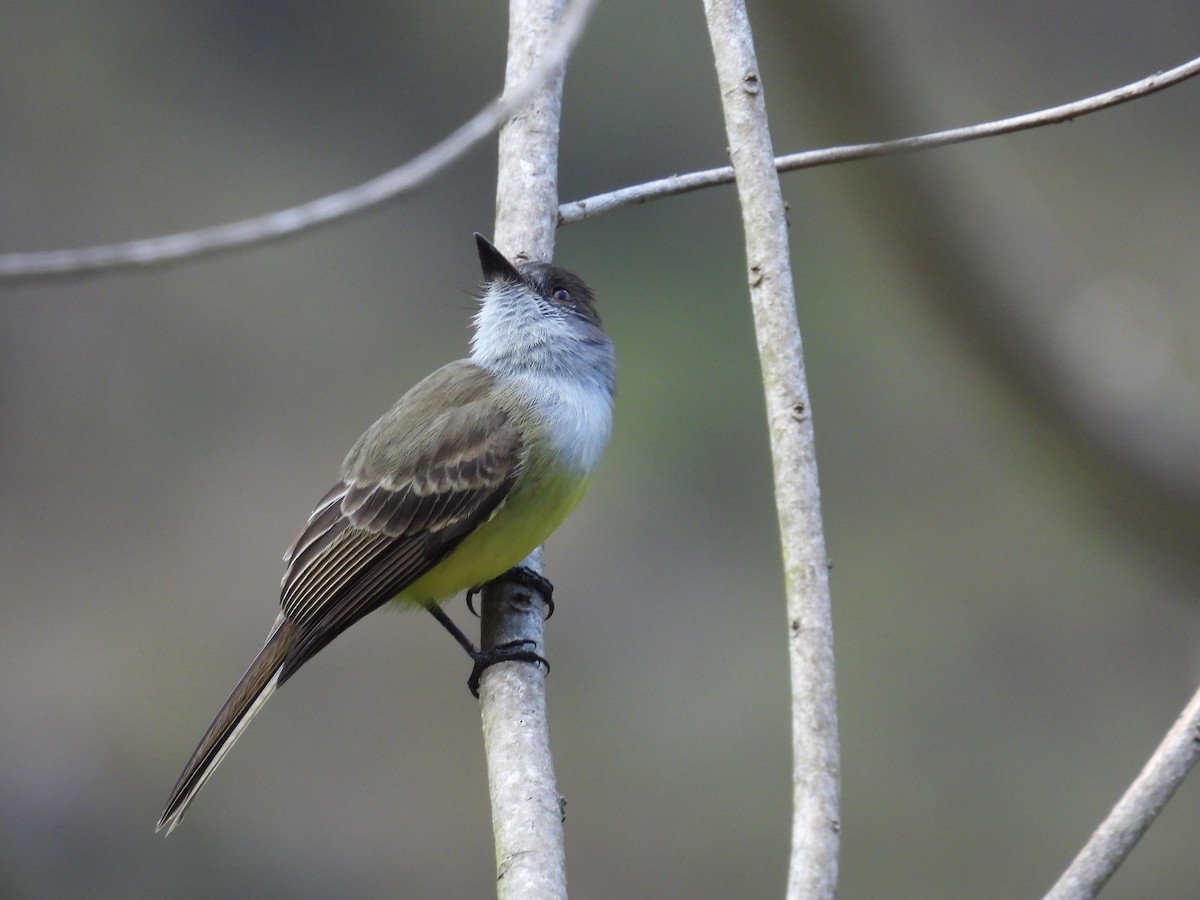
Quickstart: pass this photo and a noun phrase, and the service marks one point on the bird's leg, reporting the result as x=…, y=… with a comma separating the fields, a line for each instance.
x=455, y=632
x=513, y=651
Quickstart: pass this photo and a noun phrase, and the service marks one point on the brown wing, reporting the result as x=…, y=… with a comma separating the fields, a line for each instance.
x=401, y=506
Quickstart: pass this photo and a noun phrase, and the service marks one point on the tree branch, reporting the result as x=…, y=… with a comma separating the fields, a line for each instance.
x=272, y=226
x=526, y=806
x=694, y=181
x=814, y=858
x=155, y=251
x=1137, y=809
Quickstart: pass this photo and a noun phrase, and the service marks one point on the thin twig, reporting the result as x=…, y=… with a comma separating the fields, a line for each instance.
x=694, y=181
x=1136, y=810
x=814, y=859
x=272, y=226
x=526, y=806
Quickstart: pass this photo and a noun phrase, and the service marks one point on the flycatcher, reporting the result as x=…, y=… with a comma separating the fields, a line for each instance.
x=457, y=483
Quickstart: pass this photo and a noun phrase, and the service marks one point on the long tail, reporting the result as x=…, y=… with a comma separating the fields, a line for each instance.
x=255, y=688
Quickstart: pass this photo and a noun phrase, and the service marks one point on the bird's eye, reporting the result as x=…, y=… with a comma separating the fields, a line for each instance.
x=562, y=295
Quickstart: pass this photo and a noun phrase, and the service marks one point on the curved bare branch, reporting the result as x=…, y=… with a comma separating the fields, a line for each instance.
x=281, y=223
x=807, y=159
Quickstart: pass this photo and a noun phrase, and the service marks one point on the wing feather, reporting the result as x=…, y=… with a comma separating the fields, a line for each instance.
x=305, y=600
x=320, y=530
x=376, y=586
x=401, y=506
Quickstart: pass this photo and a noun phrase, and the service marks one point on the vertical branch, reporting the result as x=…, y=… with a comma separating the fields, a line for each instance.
x=527, y=180
x=527, y=810
x=526, y=806
x=814, y=858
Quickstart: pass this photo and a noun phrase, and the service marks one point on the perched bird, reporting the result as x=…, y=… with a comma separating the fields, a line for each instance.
x=457, y=483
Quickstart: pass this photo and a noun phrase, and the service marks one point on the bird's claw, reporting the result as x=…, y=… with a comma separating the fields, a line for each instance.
x=524, y=576
x=510, y=652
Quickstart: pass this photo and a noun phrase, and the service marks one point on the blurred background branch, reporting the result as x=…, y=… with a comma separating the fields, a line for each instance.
x=1089, y=350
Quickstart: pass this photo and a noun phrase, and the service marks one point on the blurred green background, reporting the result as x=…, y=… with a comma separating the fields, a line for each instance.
x=1001, y=342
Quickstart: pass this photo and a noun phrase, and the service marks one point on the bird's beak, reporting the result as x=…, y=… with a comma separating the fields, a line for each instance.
x=496, y=266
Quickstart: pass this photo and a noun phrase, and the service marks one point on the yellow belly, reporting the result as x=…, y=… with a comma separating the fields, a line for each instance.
x=522, y=523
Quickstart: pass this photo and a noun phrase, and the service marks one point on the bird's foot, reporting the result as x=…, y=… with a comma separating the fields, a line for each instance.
x=510, y=652
x=526, y=577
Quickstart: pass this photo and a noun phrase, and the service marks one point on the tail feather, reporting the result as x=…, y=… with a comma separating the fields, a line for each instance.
x=255, y=688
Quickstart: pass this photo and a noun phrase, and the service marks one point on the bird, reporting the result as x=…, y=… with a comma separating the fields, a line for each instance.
x=469, y=472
